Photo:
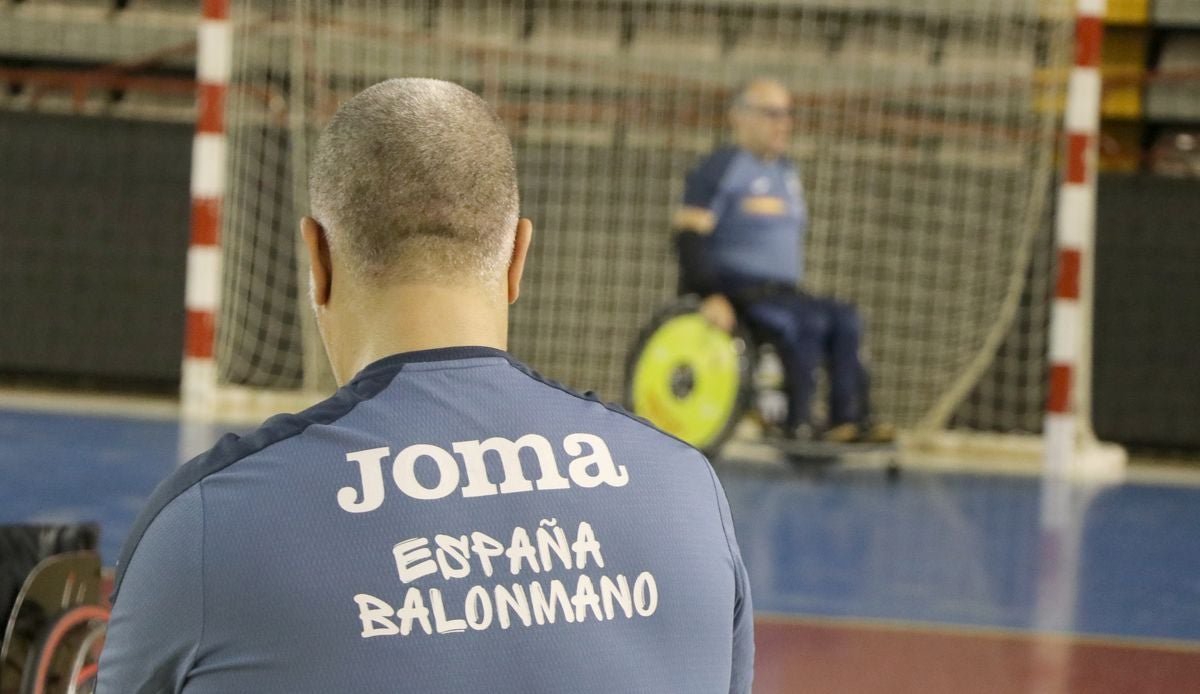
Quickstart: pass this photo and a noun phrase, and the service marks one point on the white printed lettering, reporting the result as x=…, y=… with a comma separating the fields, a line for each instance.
x=456, y=550
x=404, y=472
x=413, y=609
x=545, y=609
x=509, y=452
x=374, y=615
x=585, y=597
x=441, y=624
x=592, y=466
x=370, y=473
x=585, y=544
x=553, y=540
x=511, y=600
x=529, y=603
x=645, y=594
x=596, y=468
x=618, y=592
x=479, y=608
x=485, y=547
x=413, y=559
x=521, y=549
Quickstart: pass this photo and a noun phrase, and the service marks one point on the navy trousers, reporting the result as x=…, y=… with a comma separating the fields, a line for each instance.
x=810, y=331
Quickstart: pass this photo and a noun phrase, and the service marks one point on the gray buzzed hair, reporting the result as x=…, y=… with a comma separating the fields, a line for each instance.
x=414, y=180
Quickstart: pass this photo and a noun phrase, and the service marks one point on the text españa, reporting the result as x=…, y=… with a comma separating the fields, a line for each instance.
x=453, y=555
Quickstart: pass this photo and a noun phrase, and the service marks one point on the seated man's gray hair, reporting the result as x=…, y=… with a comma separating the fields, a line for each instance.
x=414, y=180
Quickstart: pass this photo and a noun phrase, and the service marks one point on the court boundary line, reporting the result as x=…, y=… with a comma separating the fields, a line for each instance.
x=978, y=631
x=90, y=403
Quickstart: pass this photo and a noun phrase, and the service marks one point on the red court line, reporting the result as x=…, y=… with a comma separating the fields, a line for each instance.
x=817, y=657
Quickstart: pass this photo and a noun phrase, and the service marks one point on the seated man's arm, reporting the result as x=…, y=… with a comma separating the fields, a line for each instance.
x=697, y=275
x=694, y=221
x=157, y=619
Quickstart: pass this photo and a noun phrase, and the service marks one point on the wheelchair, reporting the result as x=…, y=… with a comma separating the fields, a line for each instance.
x=690, y=378
x=54, y=613
x=699, y=383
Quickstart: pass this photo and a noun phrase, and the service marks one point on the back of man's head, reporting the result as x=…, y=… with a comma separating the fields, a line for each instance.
x=414, y=180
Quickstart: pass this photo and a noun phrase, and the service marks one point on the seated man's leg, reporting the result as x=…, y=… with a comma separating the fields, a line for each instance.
x=798, y=335
x=850, y=381
x=847, y=374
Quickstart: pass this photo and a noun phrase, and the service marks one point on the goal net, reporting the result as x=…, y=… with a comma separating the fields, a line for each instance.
x=925, y=136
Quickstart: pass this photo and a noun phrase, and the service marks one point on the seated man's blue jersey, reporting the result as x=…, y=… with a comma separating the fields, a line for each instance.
x=759, y=214
x=447, y=522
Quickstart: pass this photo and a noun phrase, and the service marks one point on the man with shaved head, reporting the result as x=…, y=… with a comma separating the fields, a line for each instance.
x=740, y=236
x=447, y=521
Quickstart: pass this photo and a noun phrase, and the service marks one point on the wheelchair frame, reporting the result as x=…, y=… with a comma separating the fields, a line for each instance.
x=751, y=346
x=55, y=629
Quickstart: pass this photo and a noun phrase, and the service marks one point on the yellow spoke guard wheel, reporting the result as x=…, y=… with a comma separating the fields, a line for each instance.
x=688, y=377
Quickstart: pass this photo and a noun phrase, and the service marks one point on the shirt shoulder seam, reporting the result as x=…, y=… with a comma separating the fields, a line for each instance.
x=712, y=477
x=203, y=576
x=727, y=170
x=231, y=450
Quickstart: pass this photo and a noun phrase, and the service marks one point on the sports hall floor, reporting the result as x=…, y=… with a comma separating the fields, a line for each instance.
x=940, y=581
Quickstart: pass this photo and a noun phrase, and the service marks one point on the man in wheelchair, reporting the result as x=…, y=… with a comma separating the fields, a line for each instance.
x=740, y=240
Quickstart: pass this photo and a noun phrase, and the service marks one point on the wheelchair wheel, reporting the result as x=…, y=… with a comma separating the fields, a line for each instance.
x=65, y=660
x=689, y=378
x=54, y=634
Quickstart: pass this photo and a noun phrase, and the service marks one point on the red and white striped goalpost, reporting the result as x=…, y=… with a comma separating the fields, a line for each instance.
x=203, y=398
x=1071, y=449
x=214, y=62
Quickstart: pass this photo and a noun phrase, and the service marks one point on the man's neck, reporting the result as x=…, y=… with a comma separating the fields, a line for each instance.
x=411, y=317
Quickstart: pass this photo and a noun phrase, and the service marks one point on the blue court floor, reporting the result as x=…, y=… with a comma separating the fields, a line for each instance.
x=848, y=569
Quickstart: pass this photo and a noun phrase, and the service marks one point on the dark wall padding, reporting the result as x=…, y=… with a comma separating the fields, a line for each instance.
x=93, y=241
x=1147, y=319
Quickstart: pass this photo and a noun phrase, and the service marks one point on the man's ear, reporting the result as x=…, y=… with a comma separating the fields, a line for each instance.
x=316, y=242
x=516, y=266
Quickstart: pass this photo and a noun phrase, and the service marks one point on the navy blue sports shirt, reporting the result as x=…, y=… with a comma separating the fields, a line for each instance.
x=760, y=216
x=448, y=521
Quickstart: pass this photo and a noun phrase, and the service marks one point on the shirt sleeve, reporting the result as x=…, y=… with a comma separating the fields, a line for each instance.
x=157, y=621
x=703, y=184
x=741, y=676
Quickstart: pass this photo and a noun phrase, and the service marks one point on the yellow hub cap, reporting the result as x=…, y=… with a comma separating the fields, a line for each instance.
x=687, y=379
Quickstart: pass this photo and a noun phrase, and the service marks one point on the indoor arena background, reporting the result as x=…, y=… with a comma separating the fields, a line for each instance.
x=929, y=139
